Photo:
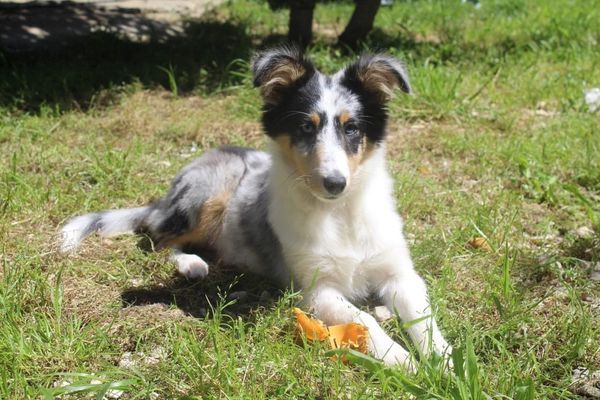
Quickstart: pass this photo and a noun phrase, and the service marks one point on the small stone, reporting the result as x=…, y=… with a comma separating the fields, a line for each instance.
x=592, y=99
x=561, y=293
x=580, y=373
x=155, y=356
x=584, y=232
x=154, y=396
x=114, y=394
x=588, y=298
x=470, y=183
x=238, y=296
x=595, y=274
x=95, y=382
x=382, y=313
x=126, y=361
x=585, y=384
x=136, y=282
x=61, y=384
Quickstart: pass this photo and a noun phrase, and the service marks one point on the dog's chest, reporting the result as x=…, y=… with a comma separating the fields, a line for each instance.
x=342, y=248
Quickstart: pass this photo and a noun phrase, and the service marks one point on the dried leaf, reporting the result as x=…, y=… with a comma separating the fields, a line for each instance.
x=480, y=243
x=424, y=169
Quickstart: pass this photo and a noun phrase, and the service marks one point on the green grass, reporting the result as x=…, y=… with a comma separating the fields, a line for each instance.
x=497, y=142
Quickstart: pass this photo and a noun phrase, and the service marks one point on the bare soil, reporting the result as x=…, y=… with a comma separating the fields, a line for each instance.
x=44, y=25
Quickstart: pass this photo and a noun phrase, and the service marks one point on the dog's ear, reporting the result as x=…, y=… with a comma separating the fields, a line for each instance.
x=377, y=75
x=279, y=69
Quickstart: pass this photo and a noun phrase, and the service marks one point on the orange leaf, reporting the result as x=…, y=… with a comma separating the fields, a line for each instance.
x=311, y=328
x=480, y=243
x=352, y=335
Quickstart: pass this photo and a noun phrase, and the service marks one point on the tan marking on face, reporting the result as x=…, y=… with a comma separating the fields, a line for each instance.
x=303, y=165
x=355, y=159
x=314, y=117
x=208, y=224
x=344, y=117
x=365, y=149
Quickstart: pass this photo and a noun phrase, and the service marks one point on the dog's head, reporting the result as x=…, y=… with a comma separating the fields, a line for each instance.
x=326, y=126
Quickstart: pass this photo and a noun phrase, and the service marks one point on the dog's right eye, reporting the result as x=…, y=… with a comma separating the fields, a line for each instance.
x=351, y=129
x=307, y=128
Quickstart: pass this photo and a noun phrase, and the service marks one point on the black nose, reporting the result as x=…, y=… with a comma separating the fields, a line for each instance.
x=334, y=184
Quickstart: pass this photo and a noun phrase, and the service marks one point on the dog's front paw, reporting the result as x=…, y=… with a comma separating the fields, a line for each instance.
x=191, y=266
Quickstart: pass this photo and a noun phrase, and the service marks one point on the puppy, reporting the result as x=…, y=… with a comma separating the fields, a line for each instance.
x=317, y=211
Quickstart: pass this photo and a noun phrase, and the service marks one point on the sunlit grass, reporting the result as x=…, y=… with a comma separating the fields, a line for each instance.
x=497, y=142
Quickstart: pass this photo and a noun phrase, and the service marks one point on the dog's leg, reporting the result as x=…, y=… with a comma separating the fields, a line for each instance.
x=407, y=295
x=330, y=306
x=189, y=265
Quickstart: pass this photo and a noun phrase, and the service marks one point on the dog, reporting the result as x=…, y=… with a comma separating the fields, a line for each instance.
x=316, y=211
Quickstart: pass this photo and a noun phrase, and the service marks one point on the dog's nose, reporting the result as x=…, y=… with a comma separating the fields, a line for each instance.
x=334, y=184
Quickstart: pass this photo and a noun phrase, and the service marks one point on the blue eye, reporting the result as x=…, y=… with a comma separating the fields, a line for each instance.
x=351, y=128
x=307, y=127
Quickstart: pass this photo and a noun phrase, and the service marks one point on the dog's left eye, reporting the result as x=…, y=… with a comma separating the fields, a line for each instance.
x=351, y=128
x=307, y=127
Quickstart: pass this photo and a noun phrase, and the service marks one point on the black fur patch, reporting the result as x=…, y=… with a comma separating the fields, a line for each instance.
x=353, y=142
x=287, y=117
x=374, y=99
x=238, y=151
x=179, y=194
x=374, y=116
x=175, y=224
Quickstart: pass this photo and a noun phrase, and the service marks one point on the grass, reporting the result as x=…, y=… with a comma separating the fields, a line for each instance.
x=496, y=143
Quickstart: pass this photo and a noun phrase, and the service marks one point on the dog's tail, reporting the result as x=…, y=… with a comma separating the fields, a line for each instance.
x=107, y=223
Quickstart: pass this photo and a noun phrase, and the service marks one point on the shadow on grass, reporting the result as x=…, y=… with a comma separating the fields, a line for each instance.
x=569, y=262
x=205, y=54
x=199, y=298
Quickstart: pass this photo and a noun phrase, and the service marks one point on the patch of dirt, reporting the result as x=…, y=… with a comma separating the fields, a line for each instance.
x=36, y=25
x=87, y=299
